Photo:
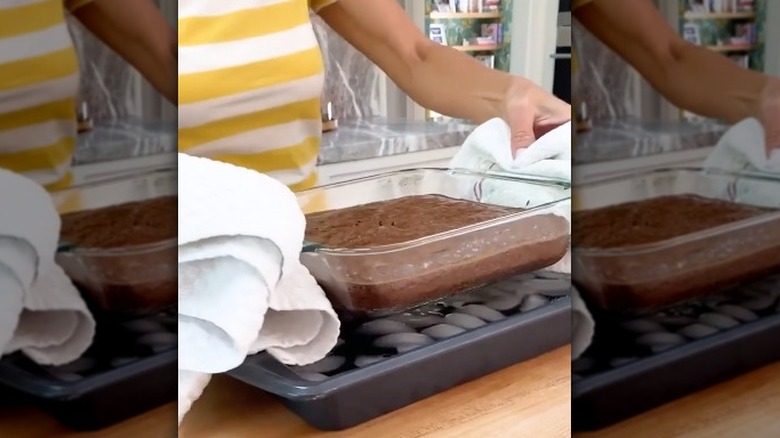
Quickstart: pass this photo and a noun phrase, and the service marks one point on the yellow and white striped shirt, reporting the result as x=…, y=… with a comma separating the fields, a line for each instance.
x=250, y=79
x=39, y=80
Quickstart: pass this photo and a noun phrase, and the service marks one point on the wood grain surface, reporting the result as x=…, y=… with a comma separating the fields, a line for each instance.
x=531, y=399
x=27, y=422
x=745, y=407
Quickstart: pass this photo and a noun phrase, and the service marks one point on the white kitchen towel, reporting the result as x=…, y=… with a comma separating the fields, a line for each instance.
x=488, y=149
x=242, y=288
x=42, y=313
x=743, y=149
x=582, y=325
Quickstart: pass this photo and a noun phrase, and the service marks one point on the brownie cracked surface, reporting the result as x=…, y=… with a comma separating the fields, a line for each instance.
x=654, y=220
x=123, y=225
x=397, y=220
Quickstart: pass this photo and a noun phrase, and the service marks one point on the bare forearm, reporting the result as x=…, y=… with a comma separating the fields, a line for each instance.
x=436, y=77
x=693, y=78
x=709, y=84
x=159, y=70
x=456, y=85
x=138, y=32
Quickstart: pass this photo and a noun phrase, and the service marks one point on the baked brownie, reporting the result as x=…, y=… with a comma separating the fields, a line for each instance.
x=648, y=279
x=124, y=225
x=397, y=220
x=133, y=281
x=394, y=280
x=654, y=220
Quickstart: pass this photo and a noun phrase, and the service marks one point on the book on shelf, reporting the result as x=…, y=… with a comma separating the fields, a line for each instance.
x=487, y=60
x=492, y=5
x=467, y=6
x=741, y=60
x=721, y=6
x=746, y=5
x=745, y=34
x=492, y=31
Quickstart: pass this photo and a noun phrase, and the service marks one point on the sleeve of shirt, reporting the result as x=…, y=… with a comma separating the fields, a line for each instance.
x=72, y=5
x=317, y=5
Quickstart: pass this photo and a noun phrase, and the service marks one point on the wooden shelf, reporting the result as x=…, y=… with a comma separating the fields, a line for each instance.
x=729, y=48
x=720, y=16
x=477, y=48
x=465, y=15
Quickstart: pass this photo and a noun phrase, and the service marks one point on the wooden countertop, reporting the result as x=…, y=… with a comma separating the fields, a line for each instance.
x=26, y=422
x=529, y=399
x=748, y=406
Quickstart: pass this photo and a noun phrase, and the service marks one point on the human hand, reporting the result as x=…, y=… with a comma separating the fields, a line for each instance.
x=770, y=114
x=532, y=112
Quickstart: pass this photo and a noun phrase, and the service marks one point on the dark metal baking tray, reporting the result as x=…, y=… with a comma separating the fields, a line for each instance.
x=130, y=369
x=336, y=394
x=626, y=371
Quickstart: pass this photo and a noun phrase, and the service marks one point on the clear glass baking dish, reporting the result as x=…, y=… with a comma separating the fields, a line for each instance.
x=390, y=278
x=649, y=276
x=137, y=279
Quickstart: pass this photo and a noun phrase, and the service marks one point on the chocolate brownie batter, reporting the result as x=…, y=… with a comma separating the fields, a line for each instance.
x=397, y=220
x=381, y=282
x=119, y=226
x=132, y=281
x=649, y=279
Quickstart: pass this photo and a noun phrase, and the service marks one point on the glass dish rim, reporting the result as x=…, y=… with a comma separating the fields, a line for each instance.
x=403, y=246
x=649, y=248
x=134, y=250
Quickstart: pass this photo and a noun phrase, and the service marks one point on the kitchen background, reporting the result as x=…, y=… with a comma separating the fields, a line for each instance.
x=633, y=126
x=357, y=88
x=131, y=126
x=380, y=128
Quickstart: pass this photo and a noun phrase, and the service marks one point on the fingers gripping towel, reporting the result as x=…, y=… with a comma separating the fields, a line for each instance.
x=242, y=288
x=743, y=149
x=41, y=312
x=488, y=149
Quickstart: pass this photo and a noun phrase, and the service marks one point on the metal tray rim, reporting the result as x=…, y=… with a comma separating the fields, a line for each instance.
x=586, y=385
x=19, y=380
